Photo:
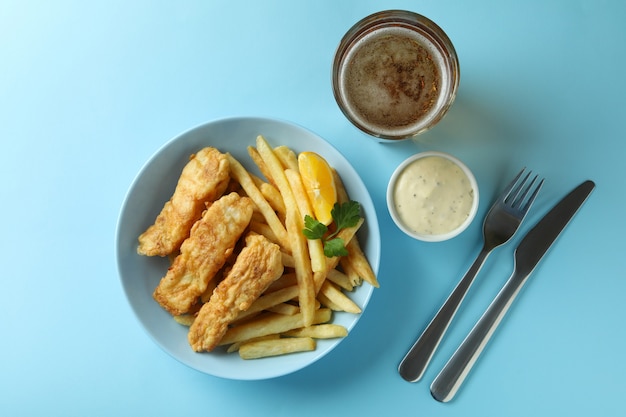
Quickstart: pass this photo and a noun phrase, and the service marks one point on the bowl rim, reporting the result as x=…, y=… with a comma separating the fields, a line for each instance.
x=442, y=236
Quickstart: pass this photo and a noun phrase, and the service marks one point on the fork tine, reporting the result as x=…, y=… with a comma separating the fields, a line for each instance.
x=509, y=188
x=526, y=206
x=524, y=188
x=515, y=187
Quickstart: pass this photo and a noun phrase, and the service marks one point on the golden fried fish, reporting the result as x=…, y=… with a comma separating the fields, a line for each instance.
x=257, y=266
x=204, y=179
x=202, y=255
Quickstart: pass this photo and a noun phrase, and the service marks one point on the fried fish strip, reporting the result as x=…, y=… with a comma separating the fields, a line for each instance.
x=257, y=266
x=209, y=245
x=204, y=179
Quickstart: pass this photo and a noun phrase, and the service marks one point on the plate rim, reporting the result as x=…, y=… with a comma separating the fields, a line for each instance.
x=372, y=230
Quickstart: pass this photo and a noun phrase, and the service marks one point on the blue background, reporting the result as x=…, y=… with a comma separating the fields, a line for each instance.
x=90, y=90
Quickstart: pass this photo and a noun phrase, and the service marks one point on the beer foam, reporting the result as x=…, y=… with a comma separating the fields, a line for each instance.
x=394, y=81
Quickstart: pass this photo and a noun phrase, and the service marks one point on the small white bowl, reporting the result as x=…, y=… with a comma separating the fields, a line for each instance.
x=437, y=205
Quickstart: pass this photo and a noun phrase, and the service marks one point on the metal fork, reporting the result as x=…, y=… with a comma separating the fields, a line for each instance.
x=501, y=223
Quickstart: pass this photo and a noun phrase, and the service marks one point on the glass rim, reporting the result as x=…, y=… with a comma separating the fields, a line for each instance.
x=424, y=27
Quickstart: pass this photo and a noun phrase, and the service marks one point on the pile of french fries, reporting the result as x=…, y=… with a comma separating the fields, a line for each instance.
x=297, y=308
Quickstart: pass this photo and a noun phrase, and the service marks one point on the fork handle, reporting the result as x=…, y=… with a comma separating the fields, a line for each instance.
x=416, y=361
x=451, y=377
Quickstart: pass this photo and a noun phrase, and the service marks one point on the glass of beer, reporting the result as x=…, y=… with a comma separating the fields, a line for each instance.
x=395, y=74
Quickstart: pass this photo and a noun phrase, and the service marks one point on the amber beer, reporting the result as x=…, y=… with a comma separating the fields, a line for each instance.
x=395, y=74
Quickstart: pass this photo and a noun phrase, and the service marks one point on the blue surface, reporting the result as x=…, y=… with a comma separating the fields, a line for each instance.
x=90, y=90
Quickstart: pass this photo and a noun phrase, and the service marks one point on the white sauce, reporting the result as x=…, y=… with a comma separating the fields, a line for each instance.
x=433, y=196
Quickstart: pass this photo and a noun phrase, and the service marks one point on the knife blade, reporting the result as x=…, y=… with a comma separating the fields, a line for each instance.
x=539, y=239
x=528, y=254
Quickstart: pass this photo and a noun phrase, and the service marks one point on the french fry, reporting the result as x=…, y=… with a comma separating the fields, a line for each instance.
x=285, y=309
x=359, y=263
x=287, y=157
x=272, y=195
x=235, y=346
x=316, y=247
x=319, y=331
x=251, y=317
x=257, y=216
x=350, y=272
x=287, y=280
x=327, y=302
x=342, y=193
x=243, y=177
x=264, y=229
x=270, y=300
x=288, y=261
x=258, y=181
x=356, y=258
x=341, y=279
x=294, y=225
x=335, y=295
x=265, y=348
x=185, y=319
x=270, y=324
x=258, y=161
x=331, y=263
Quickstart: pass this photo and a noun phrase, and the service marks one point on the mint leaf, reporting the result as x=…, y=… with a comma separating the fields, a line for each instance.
x=313, y=229
x=335, y=247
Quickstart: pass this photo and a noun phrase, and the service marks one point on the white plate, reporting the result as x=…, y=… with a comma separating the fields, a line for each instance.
x=155, y=184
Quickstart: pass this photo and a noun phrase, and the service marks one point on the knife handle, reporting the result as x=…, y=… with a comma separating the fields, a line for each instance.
x=451, y=377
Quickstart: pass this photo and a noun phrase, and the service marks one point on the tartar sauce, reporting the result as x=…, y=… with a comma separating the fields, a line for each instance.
x=433, y=196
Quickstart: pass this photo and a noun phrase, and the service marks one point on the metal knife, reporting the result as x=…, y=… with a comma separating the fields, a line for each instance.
x=527, y=255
